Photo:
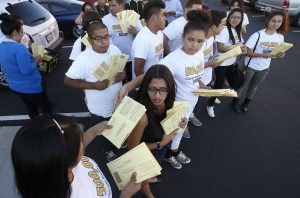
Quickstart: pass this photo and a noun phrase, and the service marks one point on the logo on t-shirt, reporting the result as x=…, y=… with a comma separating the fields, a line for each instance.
x=95, y=175
x=159, y=48
x=116, y=27
x=194, y=70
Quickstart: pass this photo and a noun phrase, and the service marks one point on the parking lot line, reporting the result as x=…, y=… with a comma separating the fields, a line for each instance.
x=297, y=31
x=67, y=46
x=26, y=117
x=257, y=16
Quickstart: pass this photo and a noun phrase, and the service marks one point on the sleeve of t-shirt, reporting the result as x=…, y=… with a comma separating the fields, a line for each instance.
x=24, y=60
x=76, y=50
x=179, y=9
x=166, y=61
x=171, y=30
x=77, y=71
x=245, y=20
x=141, y=50
x=252, y=40
x=223, y=36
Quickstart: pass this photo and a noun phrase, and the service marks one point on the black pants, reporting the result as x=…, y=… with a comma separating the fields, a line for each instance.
x=35, y=102
x=221, y=73
x=128, y=69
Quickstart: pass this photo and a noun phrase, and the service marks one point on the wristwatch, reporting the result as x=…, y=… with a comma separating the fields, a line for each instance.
x=158, y=145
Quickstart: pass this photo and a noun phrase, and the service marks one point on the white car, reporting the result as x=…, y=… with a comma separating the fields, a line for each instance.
x=291, y=6
x=38, y=22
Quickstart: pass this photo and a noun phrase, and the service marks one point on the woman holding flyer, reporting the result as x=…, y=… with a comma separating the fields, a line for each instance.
x=157, y=94
x=259, y=60
x=47, y=155
x=229, y=36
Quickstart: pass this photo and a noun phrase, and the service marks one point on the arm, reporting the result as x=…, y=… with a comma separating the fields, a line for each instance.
x=213, y=64
x=81, y=84
x=166, y=45
x=244, y=29
x=221, y=47
x=250, y=53
x=24, y=61
x=136, y=135
x=78, y=19
x=139, y=64
x=91, y=133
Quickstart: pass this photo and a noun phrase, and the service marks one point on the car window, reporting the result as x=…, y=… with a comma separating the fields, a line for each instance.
x=55, y=9
x=32, y=13
x=45, y=5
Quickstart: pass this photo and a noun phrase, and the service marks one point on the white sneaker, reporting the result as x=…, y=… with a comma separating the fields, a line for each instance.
x=173, y=161
x=210, y=111
x=217, y=101
x=182, y=158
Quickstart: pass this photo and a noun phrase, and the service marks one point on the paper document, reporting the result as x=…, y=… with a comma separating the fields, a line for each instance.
x=215, y=93
x=37, y=49
x=174, y=116
x=139, y=160
x=229, y=54
x=127, y=18
x=116, y=64
x=123, y=120
x=236, y=45
x=282, y=47
x=85, y=41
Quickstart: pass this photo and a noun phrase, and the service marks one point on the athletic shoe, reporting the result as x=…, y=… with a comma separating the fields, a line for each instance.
x=124, y=145
x=195, y=121
x=210, y=111
x=186, y=134
x=217, y=101
x=182, y=158
x=172, y=160
x=110, y=156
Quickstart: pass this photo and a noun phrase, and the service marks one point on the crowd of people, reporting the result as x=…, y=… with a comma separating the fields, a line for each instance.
x=170, y=56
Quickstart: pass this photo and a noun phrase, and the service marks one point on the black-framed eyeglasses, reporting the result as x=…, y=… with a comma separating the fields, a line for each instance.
x=101, y=38
x=161, y=91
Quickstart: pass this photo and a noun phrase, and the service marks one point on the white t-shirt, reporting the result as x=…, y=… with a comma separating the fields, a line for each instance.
x=245, y=19
x=265, y=44
x=89, y=181
x=98, y=102
x=122, y=40
x=186, y=70
x=223, y=37
x=76, y=50
x=147, y=46
x=174, y=33
x=208, y=52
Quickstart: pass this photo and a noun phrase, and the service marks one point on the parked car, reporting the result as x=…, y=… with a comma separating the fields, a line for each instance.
x=250, y=3
x=291, y=6
x=65, y=12
x=38, y=22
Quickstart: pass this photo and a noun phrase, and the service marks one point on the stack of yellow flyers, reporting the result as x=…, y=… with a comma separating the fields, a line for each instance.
x=127, y=18
x=37, y=49
x=215, y=93
x=230, y=54
x=236, y=45
x=85, y=41
x=123, y=120
x=282, y=47
x=105, y=71
x=174, y=116
x=139, y=160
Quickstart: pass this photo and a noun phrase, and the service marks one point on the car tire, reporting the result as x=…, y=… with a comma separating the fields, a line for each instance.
x=75, y=31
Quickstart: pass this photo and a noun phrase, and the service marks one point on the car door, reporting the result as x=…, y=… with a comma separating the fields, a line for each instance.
x=273, y=3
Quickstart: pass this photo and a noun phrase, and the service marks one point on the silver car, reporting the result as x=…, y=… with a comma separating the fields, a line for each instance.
x=291, y=6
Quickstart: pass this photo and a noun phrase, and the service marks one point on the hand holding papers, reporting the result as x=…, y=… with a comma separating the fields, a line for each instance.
x=123, y=120
x=236, y=45
x=85, y=41
x=174, y=116
x=281, y=48
x=37, y=49
x=215, y=93
x=229, y=54
x=139, y=160
x=105, y=71
x=127, y=18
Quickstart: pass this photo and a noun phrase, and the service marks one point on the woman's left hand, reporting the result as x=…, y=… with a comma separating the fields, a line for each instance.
x=183, y=123
x=244, y=49
x=99, y=128
x=120, y=76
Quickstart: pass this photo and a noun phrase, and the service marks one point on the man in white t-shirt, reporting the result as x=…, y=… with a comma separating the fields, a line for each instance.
x=147, y=47
x=173, y=32
x=99, y=96
x=120, y=39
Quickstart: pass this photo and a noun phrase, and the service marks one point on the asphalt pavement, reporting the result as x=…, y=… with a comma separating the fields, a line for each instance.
x=253, y=155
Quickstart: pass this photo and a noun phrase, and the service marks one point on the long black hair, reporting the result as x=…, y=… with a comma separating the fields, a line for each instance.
x=39, y=156
x=9, y=24
x=238, y=28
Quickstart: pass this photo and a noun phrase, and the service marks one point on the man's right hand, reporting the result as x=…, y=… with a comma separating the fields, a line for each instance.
x=101, y=85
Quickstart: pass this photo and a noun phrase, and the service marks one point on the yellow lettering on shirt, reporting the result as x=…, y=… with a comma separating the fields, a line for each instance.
x=207, y=51
x=194, y=69
x=116, y=27
x=159, y=48
x=101, y=191
x=269, y=44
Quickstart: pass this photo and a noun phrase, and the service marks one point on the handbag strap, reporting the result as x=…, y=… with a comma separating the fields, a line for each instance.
x=254, y=49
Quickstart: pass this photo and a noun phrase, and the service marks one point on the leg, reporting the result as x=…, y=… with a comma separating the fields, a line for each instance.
x=257, y=79
x=220, y=73
x=28, y=100
x=42, y=101
x=128, y=69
